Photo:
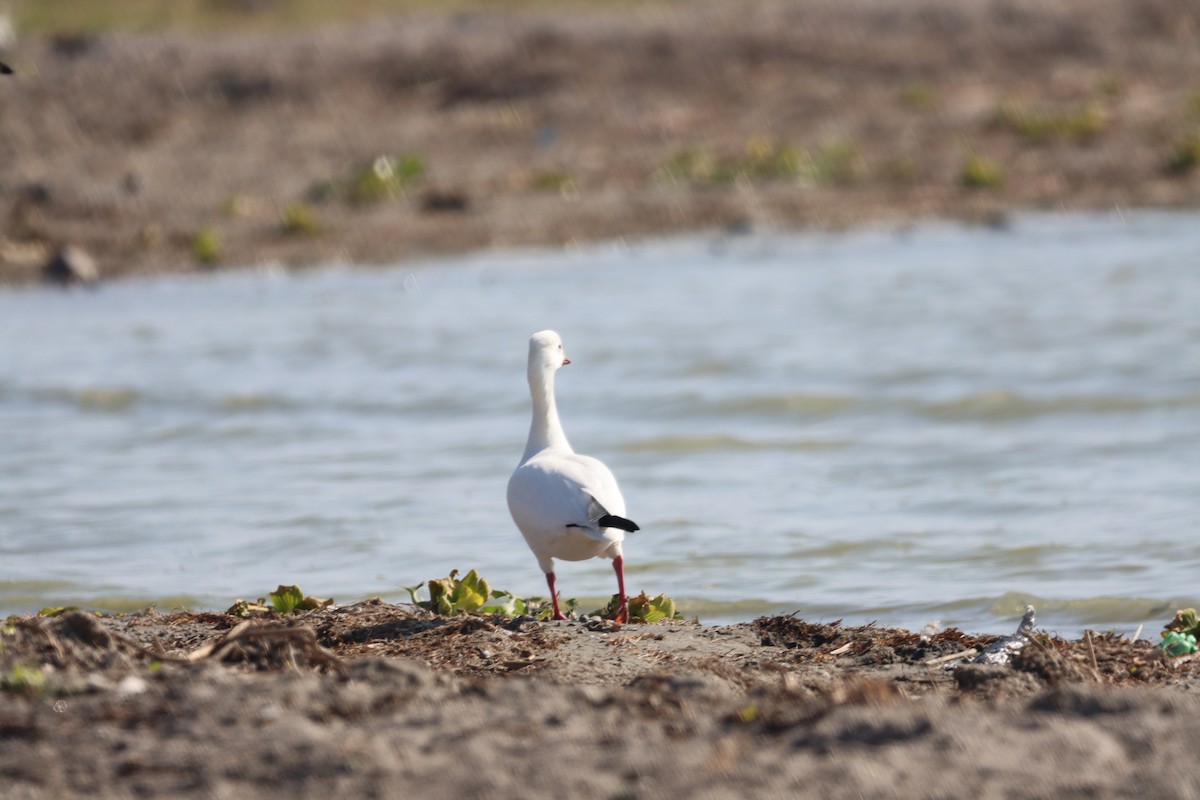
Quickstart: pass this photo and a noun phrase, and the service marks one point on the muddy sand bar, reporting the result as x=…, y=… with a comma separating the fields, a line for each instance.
x=402, y=136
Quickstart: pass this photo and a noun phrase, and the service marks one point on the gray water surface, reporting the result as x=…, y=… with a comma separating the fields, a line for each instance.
x=939, y=424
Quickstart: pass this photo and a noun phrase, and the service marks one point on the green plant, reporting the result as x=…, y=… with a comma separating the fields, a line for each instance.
x=834, y=162
x=768, y=160
x=206, y=245
x=761, y=160
x=284, y=600
x=1185, y=157
x=980, y=172
x=453, y=595
x=471, y=593
x=299, y=218
x=384, y=178
x=1074, y=124
x=1186, y=621
x=23, y=679
x=287, y=599
x=643, y=608
x=693, y=166
x=553, y=180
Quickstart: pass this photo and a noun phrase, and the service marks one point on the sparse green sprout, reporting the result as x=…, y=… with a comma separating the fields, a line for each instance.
x=299, y=218
x=692, y=166
x=762, y=160
x=767, y=160
x=1185, y=157
x=1074, y=125
x=980, y=172
x=746, y=714
x=56, y=611
x=553, y=180
x=206, y=245
x=23, y=679
x=834, y=162
x=918, y=95
x=385, y=178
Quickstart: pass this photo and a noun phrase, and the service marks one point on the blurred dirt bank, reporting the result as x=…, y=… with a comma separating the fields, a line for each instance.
x=376, y=700
x=179, y=151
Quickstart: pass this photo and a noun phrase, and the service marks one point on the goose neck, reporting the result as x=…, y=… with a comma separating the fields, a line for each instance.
x=545, y=431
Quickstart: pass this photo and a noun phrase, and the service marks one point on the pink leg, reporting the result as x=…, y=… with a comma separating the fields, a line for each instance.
x=553, y=596
x=622, y=613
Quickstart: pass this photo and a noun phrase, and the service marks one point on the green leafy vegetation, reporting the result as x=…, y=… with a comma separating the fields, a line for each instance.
x=471, y=593
x=553, y=180
x=644, y=608
x=385, y=178
x=834, y=162
x=23, y=679
x=89, y=16
x=56, y=611
x=1186, y=621
x=1076, y=124
x=206, y=246
x=763, y=160
x=299, y=218
x=1185, y=156
x=284, y=600
x=453, y=595
x=980, y=172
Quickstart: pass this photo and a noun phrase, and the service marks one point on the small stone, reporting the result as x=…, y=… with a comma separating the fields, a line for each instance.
x=71, y=265
x=131, y=685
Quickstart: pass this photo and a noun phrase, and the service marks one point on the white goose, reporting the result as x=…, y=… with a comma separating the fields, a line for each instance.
x=566, y=505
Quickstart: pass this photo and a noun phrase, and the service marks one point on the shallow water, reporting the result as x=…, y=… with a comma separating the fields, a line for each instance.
x=939, y=424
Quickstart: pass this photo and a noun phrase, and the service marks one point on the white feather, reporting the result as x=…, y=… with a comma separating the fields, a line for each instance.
x=557, y=496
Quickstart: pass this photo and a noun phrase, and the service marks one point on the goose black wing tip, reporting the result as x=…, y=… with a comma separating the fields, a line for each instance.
x=613, y=521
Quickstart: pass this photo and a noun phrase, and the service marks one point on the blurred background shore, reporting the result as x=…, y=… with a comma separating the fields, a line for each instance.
x=193, y=135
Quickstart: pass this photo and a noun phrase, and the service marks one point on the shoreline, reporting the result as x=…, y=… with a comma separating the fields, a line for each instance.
x=433, y=134
x=374, y=699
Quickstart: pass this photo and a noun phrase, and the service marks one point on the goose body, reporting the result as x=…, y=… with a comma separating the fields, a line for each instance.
x=566, y=505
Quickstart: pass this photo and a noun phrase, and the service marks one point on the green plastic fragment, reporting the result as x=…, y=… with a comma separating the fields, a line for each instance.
x=1178, y=644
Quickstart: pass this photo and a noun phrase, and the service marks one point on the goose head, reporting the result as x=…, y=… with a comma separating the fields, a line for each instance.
x=546, y=354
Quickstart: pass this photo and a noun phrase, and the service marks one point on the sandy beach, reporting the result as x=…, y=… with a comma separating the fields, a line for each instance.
x=377, y=700
x=402, y=137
